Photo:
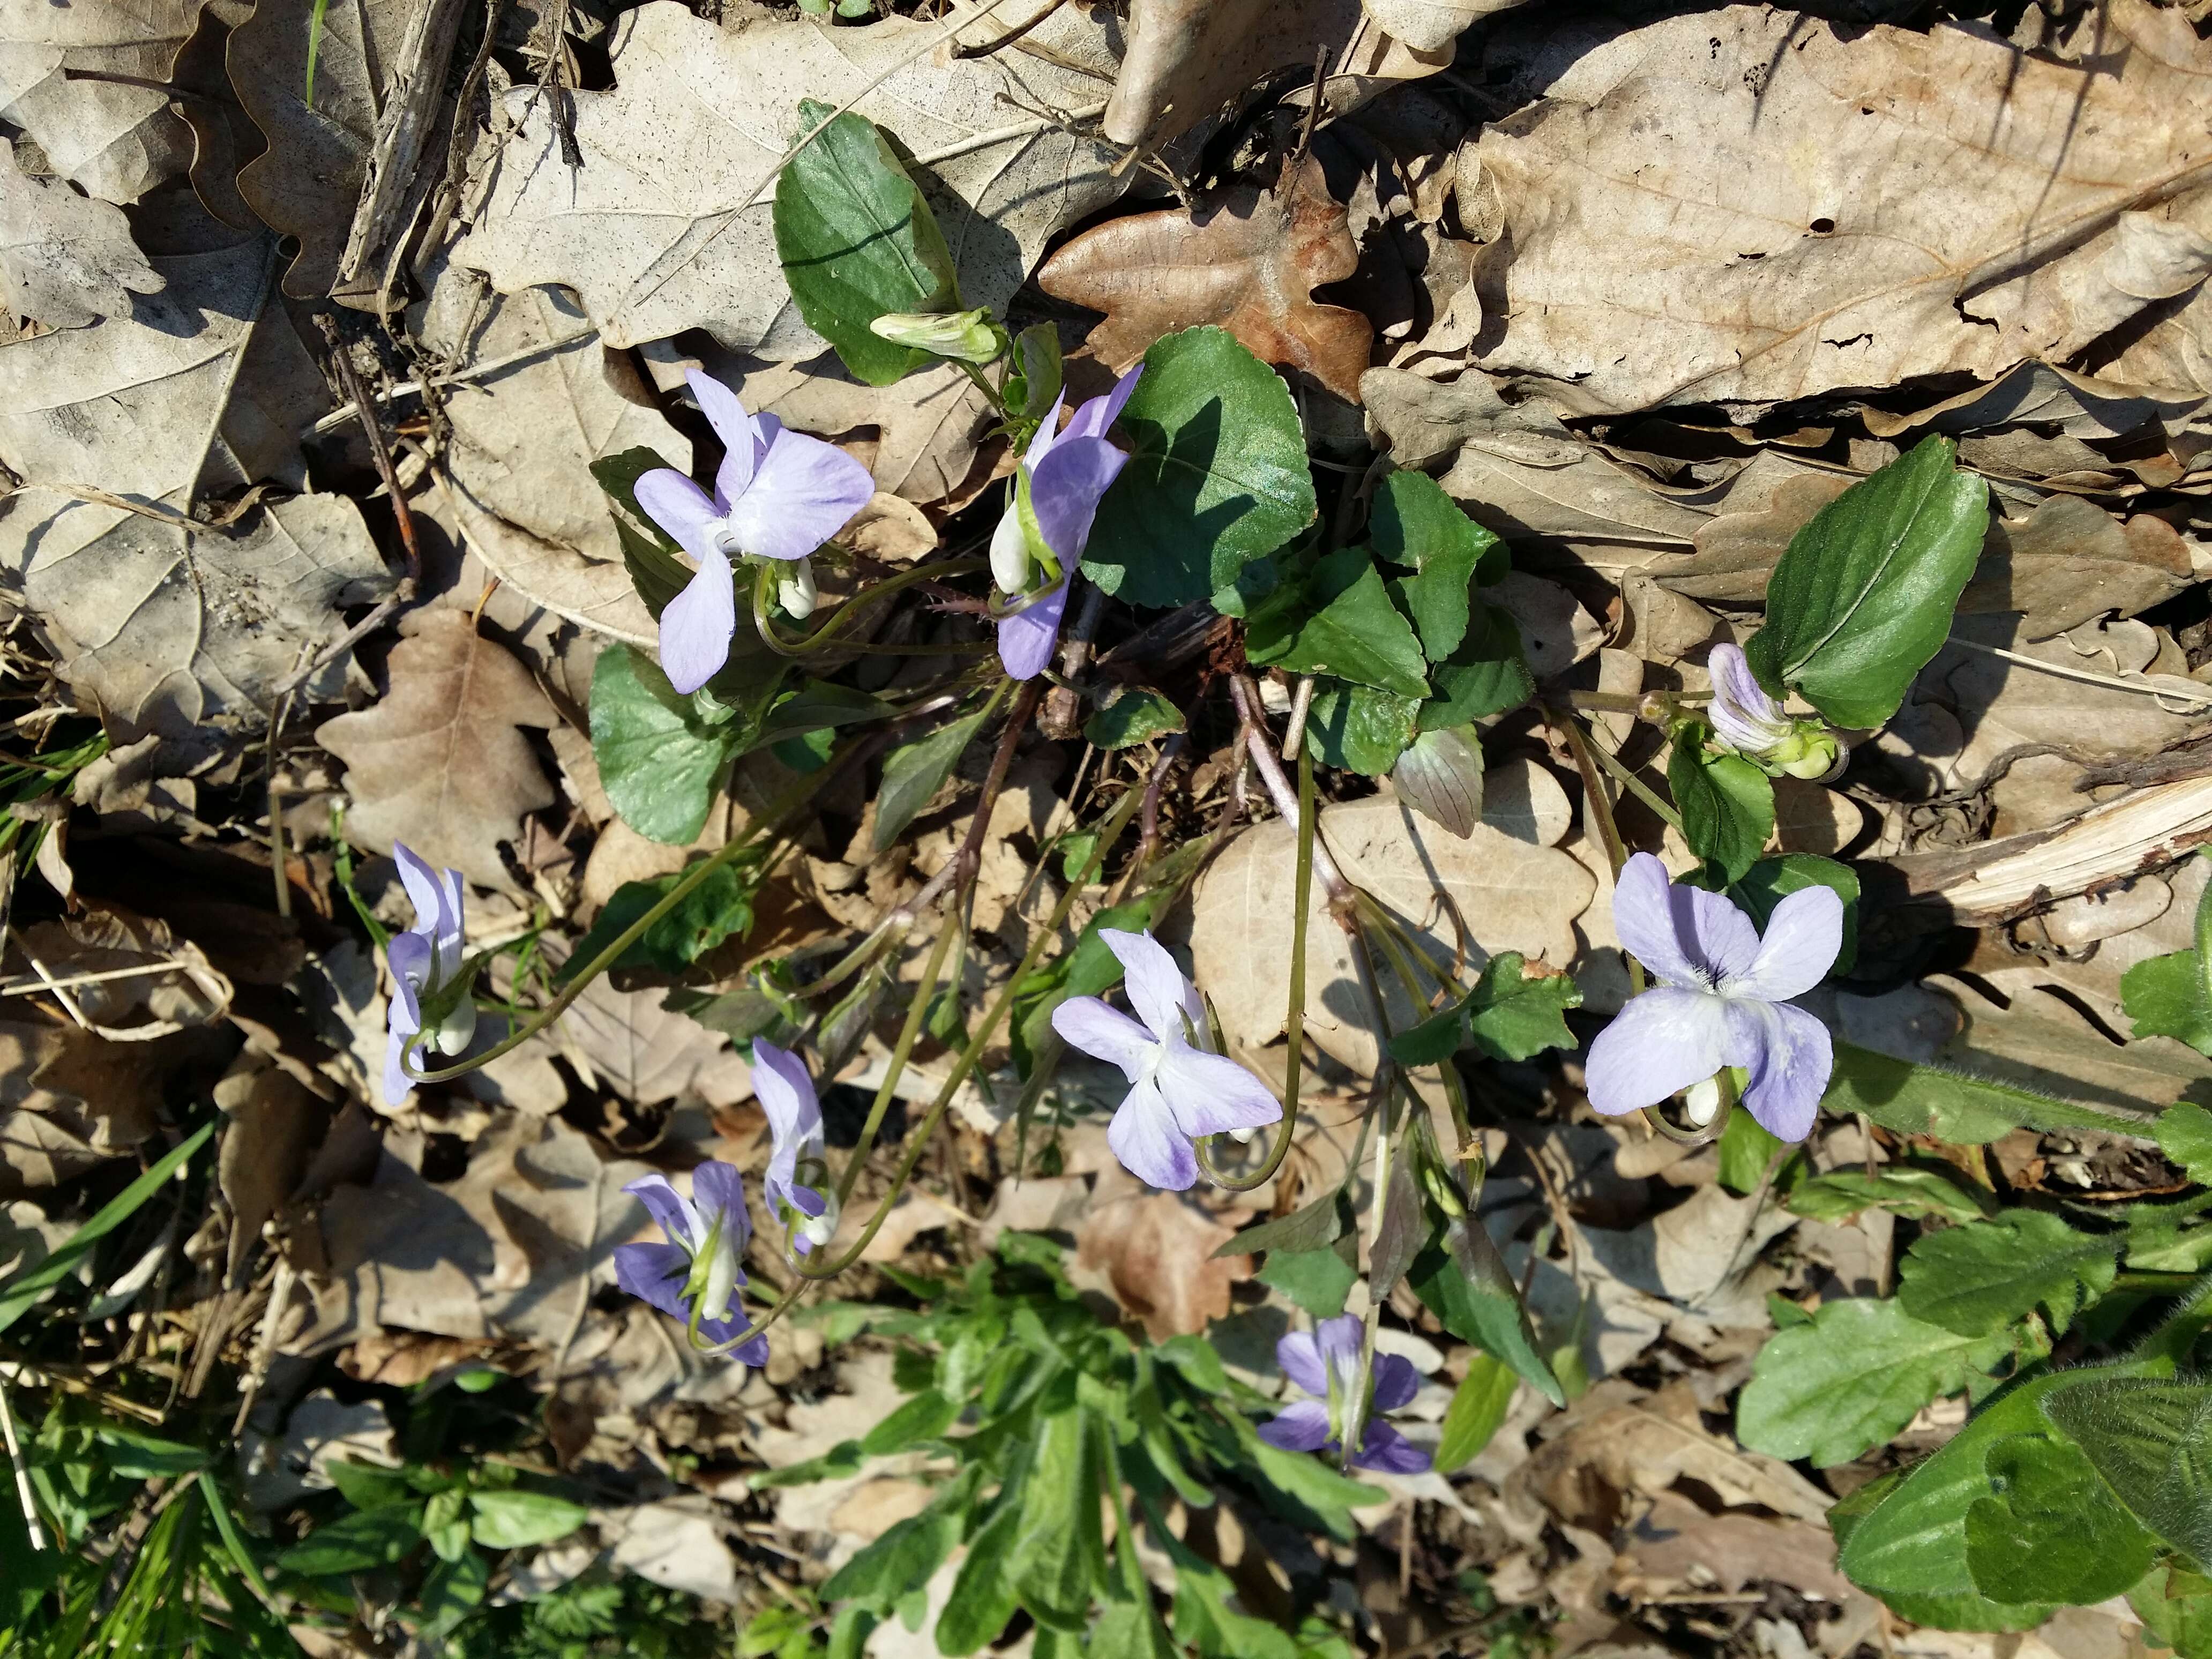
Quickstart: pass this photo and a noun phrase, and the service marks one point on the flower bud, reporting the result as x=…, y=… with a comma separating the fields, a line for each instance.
x=795, y=590
x=1810, y=752
x=967, y=337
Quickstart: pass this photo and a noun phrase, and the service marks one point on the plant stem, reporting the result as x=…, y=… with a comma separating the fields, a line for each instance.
x=1246, y=697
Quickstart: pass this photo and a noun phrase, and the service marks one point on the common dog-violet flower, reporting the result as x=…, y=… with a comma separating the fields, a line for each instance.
x=1065, y=474
x=796, y=1147
x=778, y=494
x=1325, y=1363
x=425, y=962
x=1721, y=999
x=699, y=1270
x=1179, y=1088
x=1754, y=725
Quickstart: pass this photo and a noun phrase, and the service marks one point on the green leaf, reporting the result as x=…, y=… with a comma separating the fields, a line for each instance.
x=355, y=1543
x=1902, y=1190
x=1341, y=623
x=720, y=907
x=1862, y=599
x=20, y=1292
x=915, y=771
x=857, y=240
x=1954, y=1106
x=2174, y=1617
x=2184, y=1135
x=925, y=1417
x=2052, y=1531
x=1978, y=1278
x=648, y=551
x=1058, y=1556
x=840, y=1462
x=1311, y=1227
x=1317, y=1280
x=1414, y=522
x=982, y=1602
x=1313, y=1494
x=1511, y=1014
x=902, y=1559
x=1727, y=803
x=1770, y=881
x=366, y=1486
x=1852, y=1378
x=818, y=706
x=2147, y=1438
x=1486, y=675
x=1036, y=374
x=1746, y=1148
x=1440, y=777
x=1208, y=1617
x=1218, y=477
x=1137, y=715
x=453, y=1591
x=514, y=1520
x=2171, y=995
x=1356, y=728
x=1462, y=1280
x=660, y=763
x=1478, y=1408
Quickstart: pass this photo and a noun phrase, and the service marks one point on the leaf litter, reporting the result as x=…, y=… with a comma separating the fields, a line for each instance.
x=1646, y=295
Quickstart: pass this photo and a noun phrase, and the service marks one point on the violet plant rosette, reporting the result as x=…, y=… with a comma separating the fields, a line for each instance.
x=1065, y=474
x=1723, y=1000
x=796, y=1147
x=427, y=963
x=695, y=1276
x=1325, y=1363
x=778, y=494
x=1179, y=1088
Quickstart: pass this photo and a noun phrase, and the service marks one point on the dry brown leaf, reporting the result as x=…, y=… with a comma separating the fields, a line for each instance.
x=441, y=762
x=1516, y=891
x=275, y=1123
x=644, y=1054
x=651, y=232
x=308, y=181
x=2047, y=397
x=1677, y=1545
x=1711, y=170
x=1431, y=25
x=1582, y=1475
x=2070, y=560
x=66, y=258
x=69, y=1099
x=115, y=139
x=1249, y=265
x=1156, y=1250
x=1426, y=421
x=524, y=440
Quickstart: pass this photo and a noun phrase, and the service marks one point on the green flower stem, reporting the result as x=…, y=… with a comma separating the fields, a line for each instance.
x=972, y=1053
x=789, y=802
x=909, y=1033
x=1294, y=1014
x=823, y=637
x=1635, y=786
x=1711, y=1132
x=1655, y=708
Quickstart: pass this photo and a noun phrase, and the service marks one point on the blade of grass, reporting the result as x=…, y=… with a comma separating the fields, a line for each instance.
x=21, y=1292
x=314, y=46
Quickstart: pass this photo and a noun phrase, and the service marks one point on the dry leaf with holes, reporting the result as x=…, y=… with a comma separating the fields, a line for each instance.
x=652, y=231
x=441, y=763
x=66, y=258
x=1249, y=265
x=1714, y=171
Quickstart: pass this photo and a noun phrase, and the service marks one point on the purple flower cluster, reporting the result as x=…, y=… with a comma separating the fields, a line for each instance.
x=1721, y=999
x=1068, y=473
x=778, y=494
x=1179, y=1088
x=1325, y=1363
x=425, y=961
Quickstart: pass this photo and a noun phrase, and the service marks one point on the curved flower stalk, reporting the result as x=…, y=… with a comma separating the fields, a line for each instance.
x=1179, y=1088
x=1325, y=1363
x=695, y=1276
x=1062, y=479
x=1721, y=999
x=778, y=494
x=1754, y=725
x=429, y=982
x=796, y=1148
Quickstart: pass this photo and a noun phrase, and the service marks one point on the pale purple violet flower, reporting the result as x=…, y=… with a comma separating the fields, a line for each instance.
x=778, y=494
x=1069, y=473
x=425, y=960
x=1326, y=1364
x=795, y=1147
x=1747, y=719
x=701, y=1263
x=1721, y=1000
x=1178, y=1089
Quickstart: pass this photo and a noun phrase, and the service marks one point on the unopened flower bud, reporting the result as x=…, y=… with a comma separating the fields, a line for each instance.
x=967, y=337
x=1701, y=1102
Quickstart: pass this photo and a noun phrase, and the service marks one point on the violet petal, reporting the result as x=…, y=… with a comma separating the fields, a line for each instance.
x=1662, y=1042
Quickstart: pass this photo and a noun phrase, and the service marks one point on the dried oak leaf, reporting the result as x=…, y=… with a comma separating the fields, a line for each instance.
x=65, y=259
x=111, y=131
x=441, y=761
x=1157, y=1252
x=1250, y=265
